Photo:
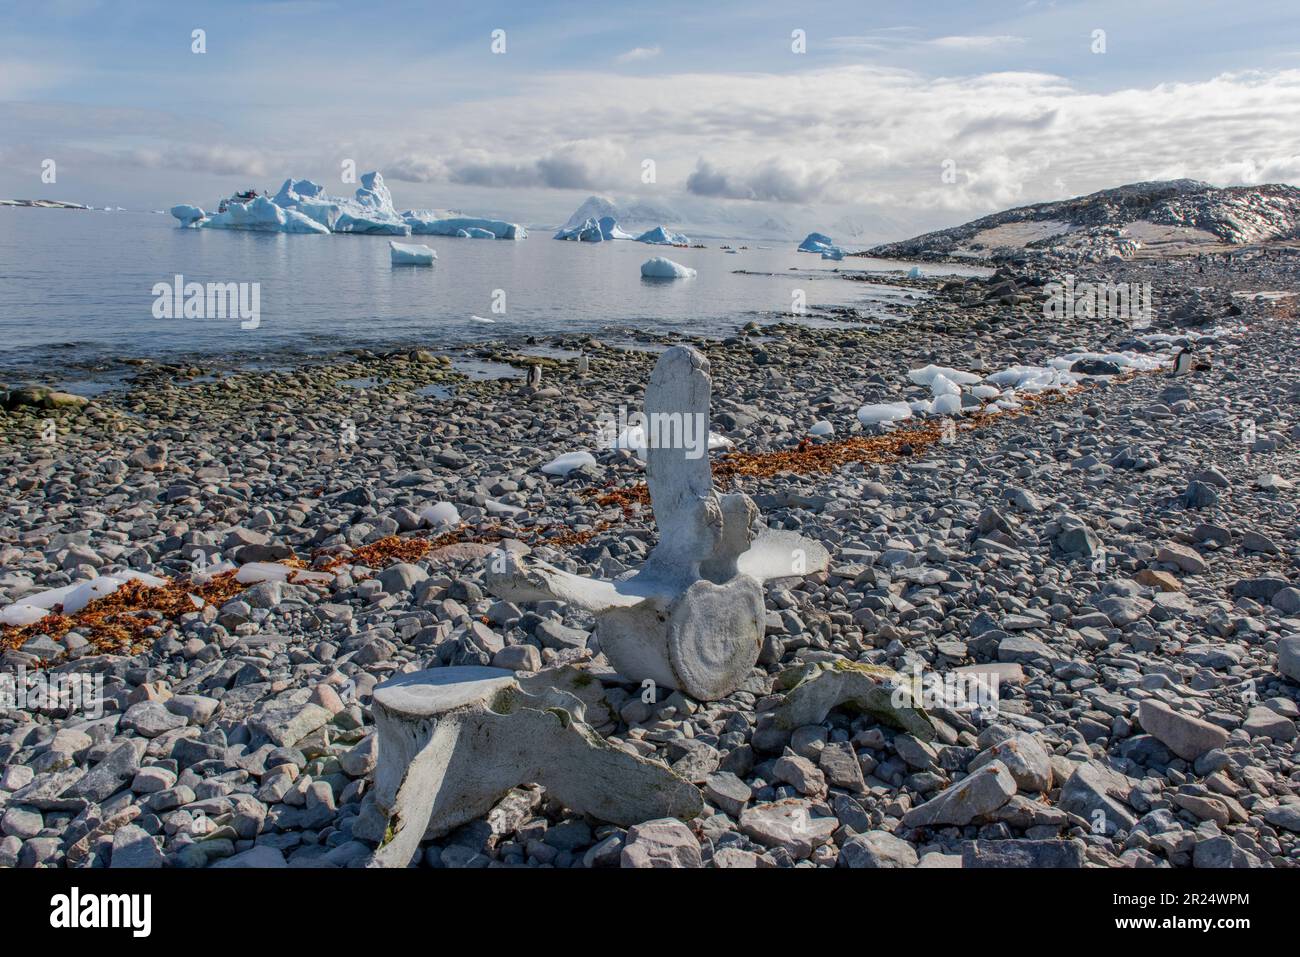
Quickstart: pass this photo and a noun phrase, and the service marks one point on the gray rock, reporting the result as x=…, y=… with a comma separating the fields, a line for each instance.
x=1187, y=736
x=979, y=793
x=877, y=849
x=663, y=843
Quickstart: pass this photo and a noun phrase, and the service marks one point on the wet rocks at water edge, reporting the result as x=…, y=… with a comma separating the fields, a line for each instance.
x=1115, y=563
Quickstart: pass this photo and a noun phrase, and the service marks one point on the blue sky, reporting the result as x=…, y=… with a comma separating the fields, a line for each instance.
x=1011, y=95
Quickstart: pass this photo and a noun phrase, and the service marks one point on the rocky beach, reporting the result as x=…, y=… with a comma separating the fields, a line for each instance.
x=1120, y=554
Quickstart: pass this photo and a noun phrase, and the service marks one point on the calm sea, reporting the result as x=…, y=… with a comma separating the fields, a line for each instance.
x=77, y=290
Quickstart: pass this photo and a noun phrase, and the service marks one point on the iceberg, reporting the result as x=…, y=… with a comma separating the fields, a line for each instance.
x=188, y=215
x=262, y=215
x=423, y=222
x=301, y=206
x=816, y=243
x=588, y=231
x=411, y=254
x=660, y=268
x=662, y=236
x=834, y=252
x=609, y=228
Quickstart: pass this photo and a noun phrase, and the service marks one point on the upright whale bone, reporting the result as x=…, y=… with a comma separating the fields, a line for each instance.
x=692, y=617
x=453, y=741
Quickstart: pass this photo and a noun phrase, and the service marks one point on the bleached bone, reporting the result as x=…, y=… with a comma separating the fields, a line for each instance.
x=453, y=741
x=813, y=690
x=692, y=617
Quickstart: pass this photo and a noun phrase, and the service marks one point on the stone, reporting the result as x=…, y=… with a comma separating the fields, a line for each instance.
x=1288, y=657
x=1024, y=758
x=877, y=849
x=134, y=848
x=666, y=843
x=1098, y=794
x=150, y=719
x=1266, y=723
x=1186, y=736
x=288, y=725
x=981, y=792
x=788, y=825
x=1021, y=853
x=727, y=792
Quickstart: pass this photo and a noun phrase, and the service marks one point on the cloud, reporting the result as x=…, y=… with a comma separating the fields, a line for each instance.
x=975, y=42
x=638, y=53
x=216, y=159
x=776, y=180
x=583, y=164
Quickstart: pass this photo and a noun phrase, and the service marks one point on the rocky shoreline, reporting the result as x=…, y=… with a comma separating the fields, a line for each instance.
x=1123, y=555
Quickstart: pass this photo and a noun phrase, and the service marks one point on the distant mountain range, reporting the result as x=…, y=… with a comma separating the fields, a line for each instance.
x=702, y=220
x=1164, y=216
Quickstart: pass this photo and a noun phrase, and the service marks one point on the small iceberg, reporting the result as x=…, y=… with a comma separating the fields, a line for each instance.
x=661, y=268
x=564, y=464
x=411, y=254
x=884, y=412
x=662, y=236
x=834, y=252
x=816, y=243
x=822, y=427
x=588, y=231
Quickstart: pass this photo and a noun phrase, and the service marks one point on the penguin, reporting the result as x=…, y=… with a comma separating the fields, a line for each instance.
x=1182, y=362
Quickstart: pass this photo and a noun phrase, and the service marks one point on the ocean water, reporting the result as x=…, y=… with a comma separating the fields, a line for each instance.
x=76, y=289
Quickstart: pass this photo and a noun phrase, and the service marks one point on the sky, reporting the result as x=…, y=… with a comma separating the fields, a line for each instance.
x=888, y=117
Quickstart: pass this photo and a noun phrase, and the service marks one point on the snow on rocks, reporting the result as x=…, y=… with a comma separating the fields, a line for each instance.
x=411, y=254
x=661, y=268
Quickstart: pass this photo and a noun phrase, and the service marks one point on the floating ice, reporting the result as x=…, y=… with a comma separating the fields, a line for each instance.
x=816, y=243
x=662, y=236
x=661, y=268
x=566, y=463
x=302, y=206
x=588, y=231
x=914, y=272
x=424, y=222
x=834, y=252
x=411, y=254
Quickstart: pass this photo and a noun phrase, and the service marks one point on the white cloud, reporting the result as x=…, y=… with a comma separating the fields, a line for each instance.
x=638, y=53
x=975, y=42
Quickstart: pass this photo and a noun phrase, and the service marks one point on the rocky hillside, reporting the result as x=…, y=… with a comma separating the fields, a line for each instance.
x=1129, y=220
